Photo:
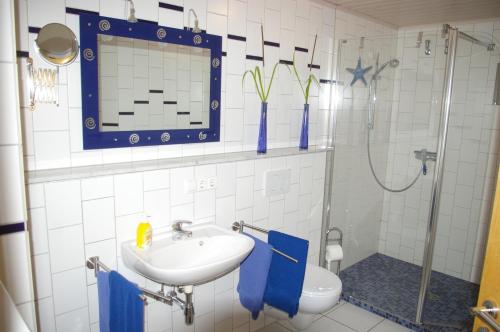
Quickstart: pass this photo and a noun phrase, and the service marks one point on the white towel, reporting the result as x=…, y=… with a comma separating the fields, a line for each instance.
x=334, y=253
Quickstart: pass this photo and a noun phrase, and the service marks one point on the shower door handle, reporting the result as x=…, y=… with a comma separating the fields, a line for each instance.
x=487, y=313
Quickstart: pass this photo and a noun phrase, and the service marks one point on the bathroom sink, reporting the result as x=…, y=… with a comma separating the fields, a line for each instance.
x=211, y=251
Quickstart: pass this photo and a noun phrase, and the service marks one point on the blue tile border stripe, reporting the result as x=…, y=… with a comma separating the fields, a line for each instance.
x=235, y=37
x=77, y=11
x=171, y=7
x=12, y=228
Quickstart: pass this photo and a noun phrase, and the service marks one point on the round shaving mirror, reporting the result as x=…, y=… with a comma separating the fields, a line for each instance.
x=57, y=44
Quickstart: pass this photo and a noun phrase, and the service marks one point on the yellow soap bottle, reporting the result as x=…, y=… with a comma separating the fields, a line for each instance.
x=144, y=235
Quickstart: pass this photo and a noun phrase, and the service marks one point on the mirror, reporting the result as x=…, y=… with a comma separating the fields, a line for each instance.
x=150, y=85
x=144, y=84
x=57, y=44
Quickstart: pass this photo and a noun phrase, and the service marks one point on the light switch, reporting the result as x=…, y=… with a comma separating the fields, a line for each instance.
x=277, y=182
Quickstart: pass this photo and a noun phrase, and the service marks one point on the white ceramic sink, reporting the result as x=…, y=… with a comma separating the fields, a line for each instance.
x=209, y=253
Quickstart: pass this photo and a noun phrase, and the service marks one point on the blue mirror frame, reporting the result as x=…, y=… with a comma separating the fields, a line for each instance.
x=90, y=27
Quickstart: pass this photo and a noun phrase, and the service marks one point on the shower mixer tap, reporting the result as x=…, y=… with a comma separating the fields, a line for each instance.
x=424, y=155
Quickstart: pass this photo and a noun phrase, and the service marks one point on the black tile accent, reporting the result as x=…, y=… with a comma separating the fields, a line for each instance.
x=141, y=101
x=195, y=123
x=313, y=66
x=270, y=43
x=254, y=57
x=326, y=81
x=171, y=7
x=183, y=113
x=189, y=29
x=12, y=228
x=155, y=91
x=22, y=54
x=147, y=21
x=169, y=102
x=108, y=124
x=224, y=53
x=125, y=113
x=78, y=11
x=34, y=29
x=234, y=37
x=301, y=49
x=286, y=62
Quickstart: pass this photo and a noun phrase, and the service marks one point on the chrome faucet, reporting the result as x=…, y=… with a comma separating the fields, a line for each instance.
x=178, y=231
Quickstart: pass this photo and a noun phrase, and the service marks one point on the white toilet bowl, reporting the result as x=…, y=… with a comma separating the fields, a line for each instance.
x=321, y=291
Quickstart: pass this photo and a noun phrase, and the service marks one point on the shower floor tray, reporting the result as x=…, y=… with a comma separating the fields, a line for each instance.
x=389, y=287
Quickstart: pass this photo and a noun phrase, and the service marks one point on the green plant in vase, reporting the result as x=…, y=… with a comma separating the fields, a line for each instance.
x=259, y=80
x=305, y=86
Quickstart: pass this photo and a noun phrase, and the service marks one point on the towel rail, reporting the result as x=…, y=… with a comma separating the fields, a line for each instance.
x=238, y=226
x=93, y=263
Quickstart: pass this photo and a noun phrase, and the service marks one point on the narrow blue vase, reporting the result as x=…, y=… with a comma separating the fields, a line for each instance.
x=262, y=142
x=304, y=132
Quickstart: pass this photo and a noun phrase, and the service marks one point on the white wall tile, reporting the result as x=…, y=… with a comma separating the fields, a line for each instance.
x=74, y=321
x=128, y=194
x=42, y=276
x=98, y=219
x=156, y=207
x=37, y=225
x=63, y=203
x=52, y=149
x=99, y=187
x=154, y=180
x=70, y=290
x=66, y=248
x=45, y=308
x=179, y=179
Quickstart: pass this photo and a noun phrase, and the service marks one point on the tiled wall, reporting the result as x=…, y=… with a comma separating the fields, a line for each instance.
x=146, y=85
x=75, y=219
x=53, y=136
x=471, y=154
x=15, y=272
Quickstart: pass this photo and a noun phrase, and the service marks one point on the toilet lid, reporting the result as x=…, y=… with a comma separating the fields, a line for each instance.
x=320, y=282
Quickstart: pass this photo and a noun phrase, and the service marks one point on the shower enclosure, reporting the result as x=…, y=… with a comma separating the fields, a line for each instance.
x=413, y=172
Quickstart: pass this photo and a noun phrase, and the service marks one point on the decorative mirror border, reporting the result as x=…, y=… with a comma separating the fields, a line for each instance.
x=90, y=27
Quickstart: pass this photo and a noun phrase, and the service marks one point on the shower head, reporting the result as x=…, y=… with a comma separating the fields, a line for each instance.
x=393, y=63
x=131, y=15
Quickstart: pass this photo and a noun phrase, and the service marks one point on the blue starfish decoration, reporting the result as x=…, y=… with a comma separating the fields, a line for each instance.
x=358, y=72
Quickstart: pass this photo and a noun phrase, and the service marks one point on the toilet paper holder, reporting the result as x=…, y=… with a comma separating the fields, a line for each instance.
x=337, y=239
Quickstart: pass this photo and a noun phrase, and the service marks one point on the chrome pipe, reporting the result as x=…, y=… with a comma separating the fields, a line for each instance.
x=437, y=180
x=238, y=227
x=489, y=46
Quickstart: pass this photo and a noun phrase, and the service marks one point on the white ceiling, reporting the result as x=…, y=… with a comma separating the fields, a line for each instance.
x=418, y=12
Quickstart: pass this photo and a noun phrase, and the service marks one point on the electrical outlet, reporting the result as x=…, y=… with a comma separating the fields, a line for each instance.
x=201, y=184
x=212, y=183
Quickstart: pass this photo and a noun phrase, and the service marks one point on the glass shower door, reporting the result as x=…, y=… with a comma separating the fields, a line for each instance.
x=394, y=115
x=471, y=162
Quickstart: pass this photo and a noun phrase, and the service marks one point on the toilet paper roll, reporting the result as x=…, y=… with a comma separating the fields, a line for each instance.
x=334, y=253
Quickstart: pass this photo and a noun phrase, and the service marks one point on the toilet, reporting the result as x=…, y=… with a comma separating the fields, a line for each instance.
x=321, y=291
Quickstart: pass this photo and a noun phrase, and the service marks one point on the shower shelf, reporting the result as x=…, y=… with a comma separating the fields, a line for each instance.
x=70, y=173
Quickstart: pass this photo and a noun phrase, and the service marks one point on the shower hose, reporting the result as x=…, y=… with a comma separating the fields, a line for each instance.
x=375, y=175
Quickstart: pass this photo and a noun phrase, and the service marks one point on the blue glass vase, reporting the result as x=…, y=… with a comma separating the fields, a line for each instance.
x=262, y=141
x=304, y=132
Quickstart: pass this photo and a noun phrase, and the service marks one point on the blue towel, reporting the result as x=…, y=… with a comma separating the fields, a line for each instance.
x=126, y=308
x=286, y=278
x=253, y=277
x=103, y=294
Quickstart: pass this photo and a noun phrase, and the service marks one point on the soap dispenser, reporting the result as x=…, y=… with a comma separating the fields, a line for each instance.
x=144, y=234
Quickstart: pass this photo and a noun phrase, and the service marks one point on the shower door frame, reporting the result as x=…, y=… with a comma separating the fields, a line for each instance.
x=452, y=34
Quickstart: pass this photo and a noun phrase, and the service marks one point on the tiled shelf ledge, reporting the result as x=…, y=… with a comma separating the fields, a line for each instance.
x=69, y=173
